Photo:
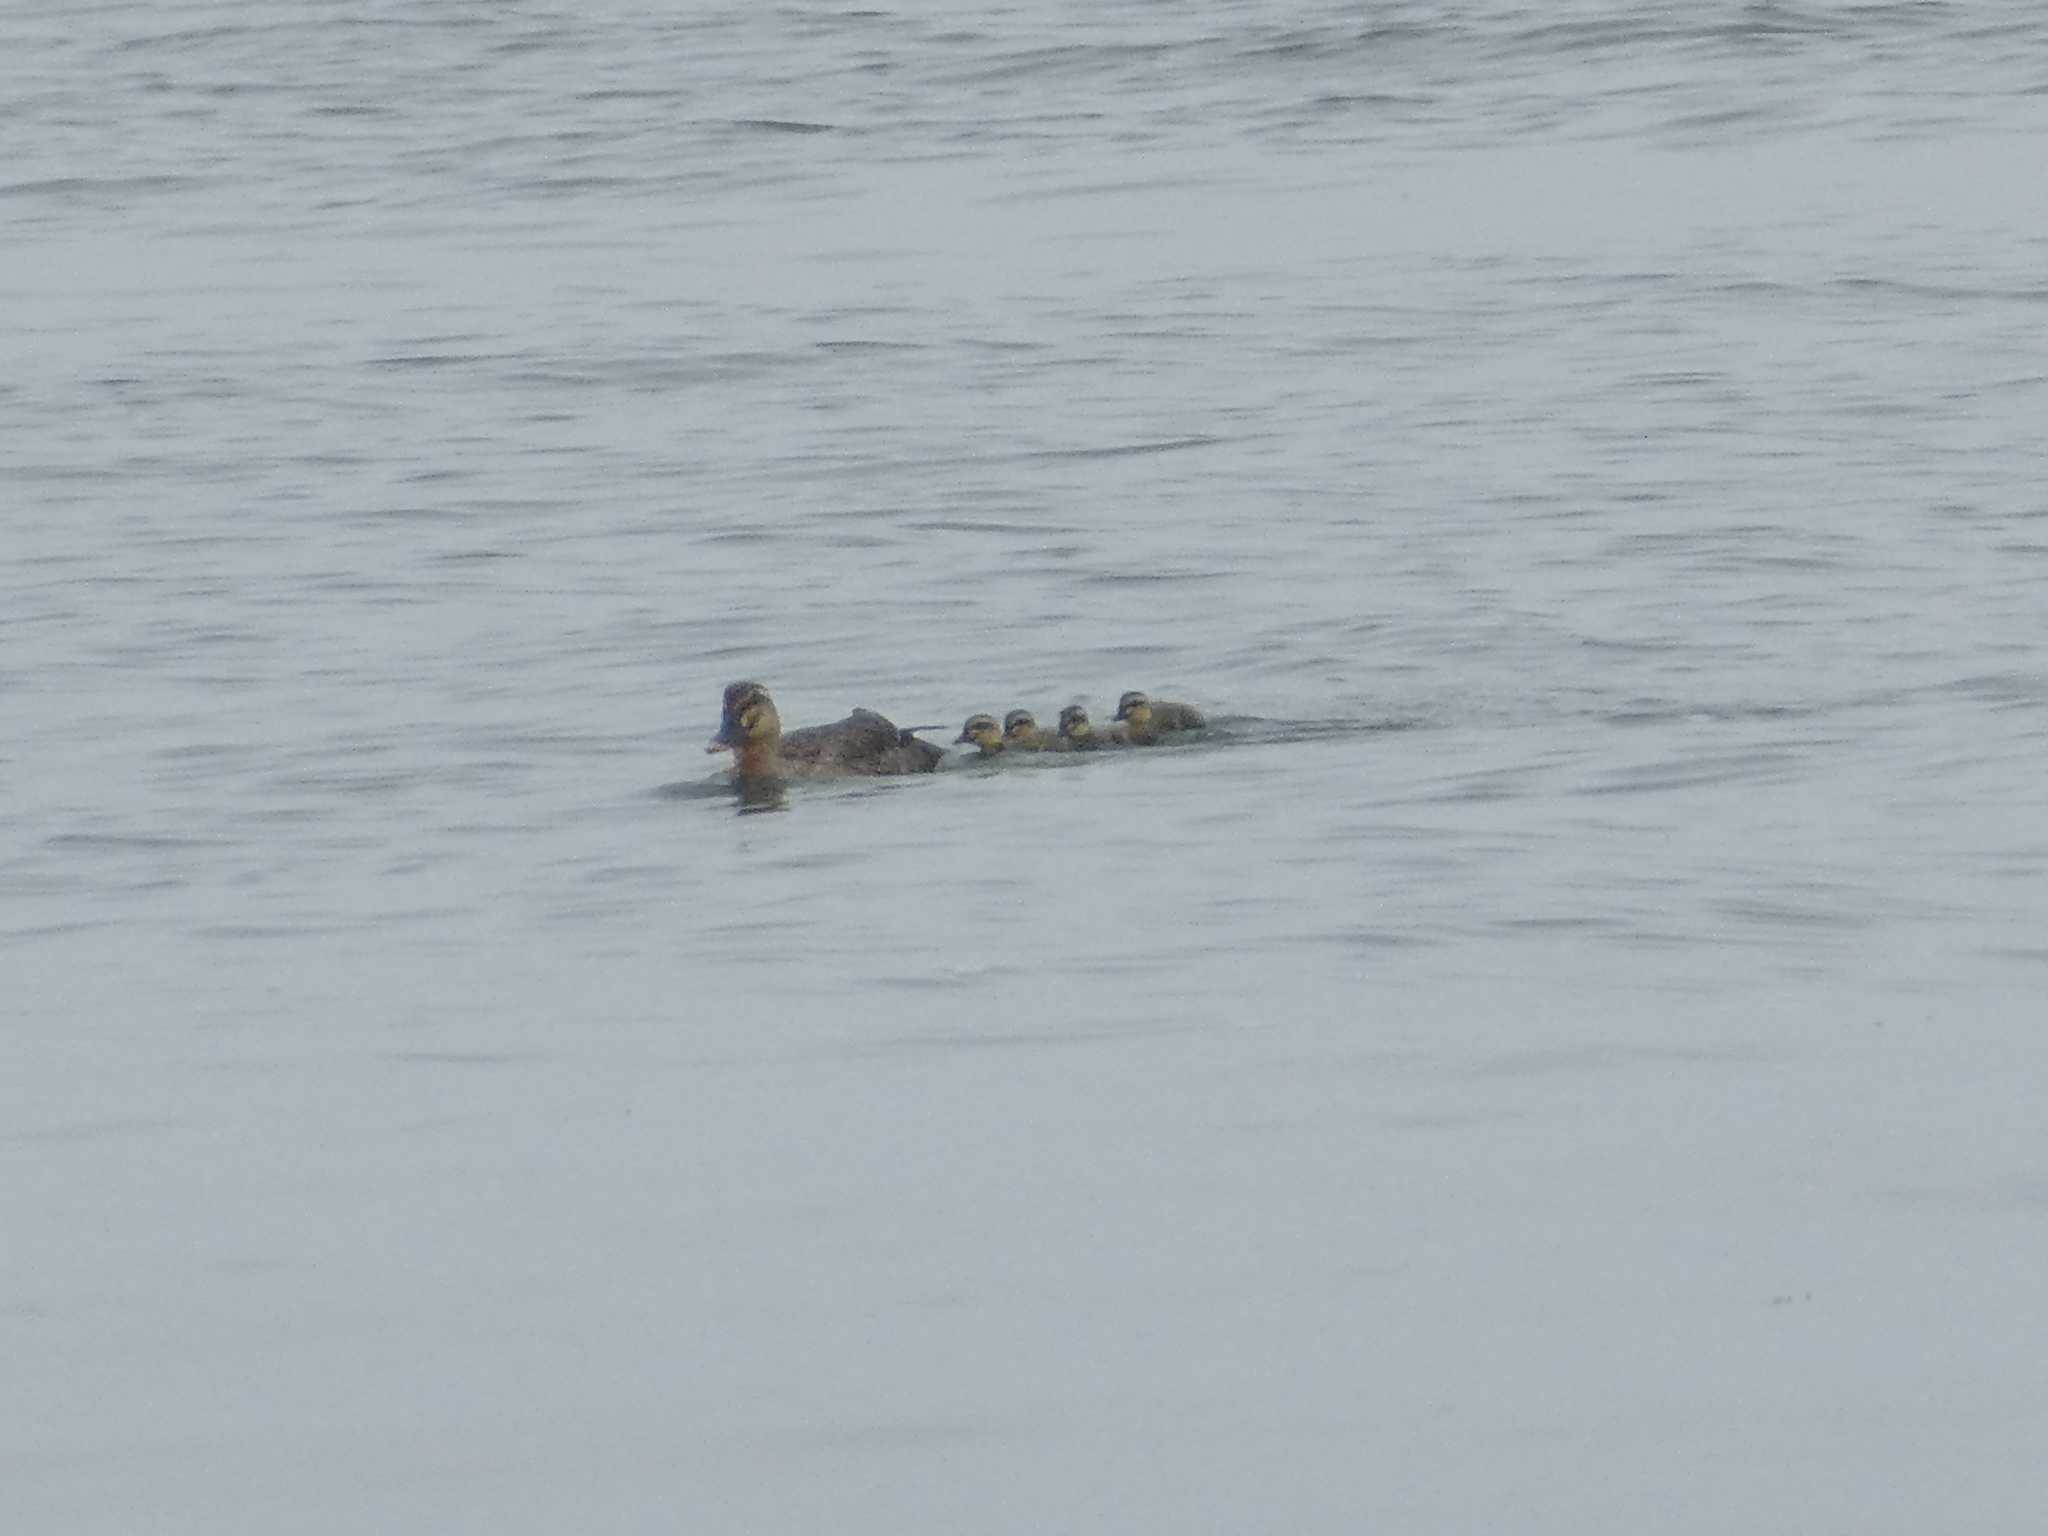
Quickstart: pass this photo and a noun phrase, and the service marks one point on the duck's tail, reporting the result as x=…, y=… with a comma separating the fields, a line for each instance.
x=923, y=756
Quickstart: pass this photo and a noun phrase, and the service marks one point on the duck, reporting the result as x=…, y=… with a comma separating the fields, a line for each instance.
x=983, y=732
x=864, y=743
x=1023, y=733
x=1080, y=735
x=1145, y=721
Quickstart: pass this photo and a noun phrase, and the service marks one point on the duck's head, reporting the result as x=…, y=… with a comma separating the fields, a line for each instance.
x=1075, y=725
x=1018, y=723
x=749, y=719
x=1136, y=708
x=983, y=732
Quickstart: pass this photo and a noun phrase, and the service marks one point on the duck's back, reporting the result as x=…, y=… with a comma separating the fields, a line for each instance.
x=1177, y=717
x=864, y=742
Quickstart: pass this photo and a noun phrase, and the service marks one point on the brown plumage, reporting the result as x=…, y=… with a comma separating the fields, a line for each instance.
x=864, y=743
x=1078, y=733
x=1023, y=733
x=982, y=731
x=1146, y=721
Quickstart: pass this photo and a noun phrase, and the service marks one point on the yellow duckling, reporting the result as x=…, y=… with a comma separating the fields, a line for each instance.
x=1022, y=733
x=983, y=732
x=1145, y=721
x=1080, y=735
x=863, y=743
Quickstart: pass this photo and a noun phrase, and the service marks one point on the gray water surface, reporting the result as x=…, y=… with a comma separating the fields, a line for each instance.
x=1564, y=1055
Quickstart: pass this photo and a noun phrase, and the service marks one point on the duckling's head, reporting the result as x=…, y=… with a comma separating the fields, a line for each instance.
x=1135, y=708
x=1074, y=723
x=749, y=719
x=983, y=732
x=1019, y=722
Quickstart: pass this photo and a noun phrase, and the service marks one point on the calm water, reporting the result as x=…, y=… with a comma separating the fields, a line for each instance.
x=1565, y=1056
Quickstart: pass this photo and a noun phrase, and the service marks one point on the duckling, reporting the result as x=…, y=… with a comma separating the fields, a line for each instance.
x=863, y=743
x=1022, y=732
x=1080, y=735
x=1145, y=722
x=983, y=732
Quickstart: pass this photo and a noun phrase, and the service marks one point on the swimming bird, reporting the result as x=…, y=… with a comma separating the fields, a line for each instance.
x=1080, y=735
x=863, y=743
x=1145, y=722
x=983, y=732
x=1022, y=731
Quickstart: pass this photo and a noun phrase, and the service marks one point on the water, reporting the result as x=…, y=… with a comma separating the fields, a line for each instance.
x=1563, y=1056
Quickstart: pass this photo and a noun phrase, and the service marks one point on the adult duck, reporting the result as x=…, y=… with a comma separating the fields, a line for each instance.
x=862, y=744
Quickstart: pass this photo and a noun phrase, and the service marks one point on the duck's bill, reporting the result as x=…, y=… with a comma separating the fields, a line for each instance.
x=718, y=743
x=962, y=737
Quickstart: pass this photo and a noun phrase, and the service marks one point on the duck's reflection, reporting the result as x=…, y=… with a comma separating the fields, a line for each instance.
x=753, y=793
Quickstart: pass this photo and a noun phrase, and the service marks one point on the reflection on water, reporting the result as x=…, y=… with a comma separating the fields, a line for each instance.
x=747, y=793
x=753, y=793
x=760, y=793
